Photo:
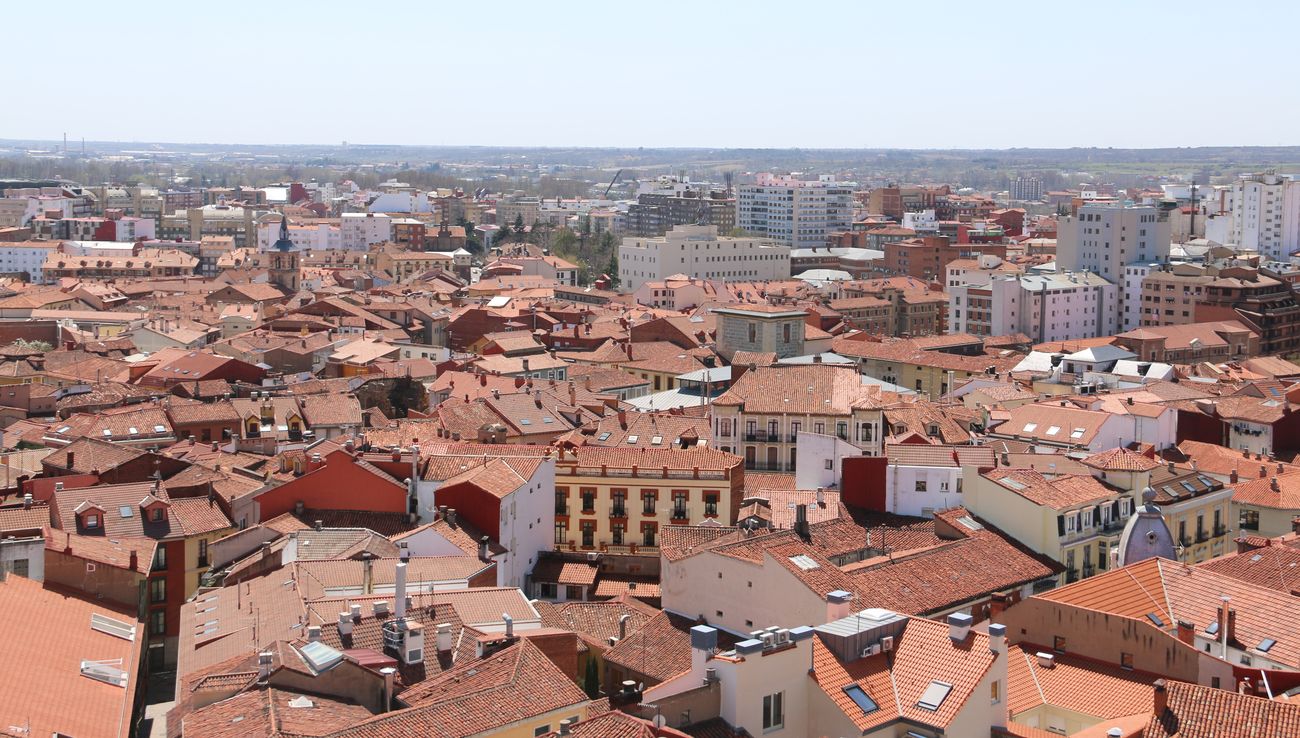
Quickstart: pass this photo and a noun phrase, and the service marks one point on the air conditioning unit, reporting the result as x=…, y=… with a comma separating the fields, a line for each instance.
x=872, y=650
x=769, y=640
x=887, y=643
x=782, y=636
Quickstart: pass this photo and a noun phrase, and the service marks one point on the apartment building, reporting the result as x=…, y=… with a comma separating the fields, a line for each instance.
x=795, y=212
x=193, y=224
x=26, y=257
x=1026, y=188
x=1168, y=295
x=763, y=412
x=360, y=230
x=1266, y=214
x=699, y=251
x=618, y=500
x=654, y=214
x=926, y=258
x=1104, y=238
x=305, y=237
x=1043, y=306
x=112, y=227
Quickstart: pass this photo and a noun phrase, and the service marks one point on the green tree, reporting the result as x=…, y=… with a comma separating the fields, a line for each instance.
x=612, y=269
x=519, y=224
x=591, y=680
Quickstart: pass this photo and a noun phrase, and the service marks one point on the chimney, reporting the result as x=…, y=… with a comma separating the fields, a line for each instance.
x=838, y=605
x=959, y=626
x=1232, y=477
x=389, y=673
x=72, y=459
x=355, y=612
x=451, y=516
x=997, y=638
x=821, y=496
x=1186, y=632
x=399, y=591
x=622, y=626
x=135, y=557
x=27, y=500
x=345, y=624
x=264, y=660
x=319, y=525
x=443, y=638
x=1160, y=703
x=801, y=520
x=510, y=624
x=564, y=727
x=704, y=641
x=1224, y=609
x=483, y=548
x=313, y=634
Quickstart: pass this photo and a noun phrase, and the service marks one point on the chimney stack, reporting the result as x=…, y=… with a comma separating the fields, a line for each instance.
x=997, y=638
x=399, y=592
x=389, y=673
x=313, y=634
x=838, y=605
x=704, y=641
x=264, y=660
x=1161, y=702
x=1186, y=632
x=443, y=637
x=345, y=624
x=959, y=625
x=483, y=554
x=622, y=626
x=510, y=624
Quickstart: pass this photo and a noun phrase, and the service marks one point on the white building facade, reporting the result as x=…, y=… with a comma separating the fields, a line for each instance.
x=700, y=252
x=360, y=230
x=1104, y=238
x=1266, y=214
x=795, y=212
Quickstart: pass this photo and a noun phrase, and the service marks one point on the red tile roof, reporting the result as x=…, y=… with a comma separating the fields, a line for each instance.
x=1194, y=711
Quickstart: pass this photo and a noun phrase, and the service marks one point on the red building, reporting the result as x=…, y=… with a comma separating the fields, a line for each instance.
x=928, y=257
x=339, y=481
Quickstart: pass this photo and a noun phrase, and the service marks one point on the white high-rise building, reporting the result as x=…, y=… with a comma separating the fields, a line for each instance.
x=1105, y=239
x=698, y=251
x=360, y=230
x=795, y=212
x=1266, y=214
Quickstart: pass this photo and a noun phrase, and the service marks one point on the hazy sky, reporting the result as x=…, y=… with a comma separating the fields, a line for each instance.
x=658, y=73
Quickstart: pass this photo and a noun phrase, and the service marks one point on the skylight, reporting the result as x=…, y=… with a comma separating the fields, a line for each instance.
x=1212, y=628
x=1015, y=484
x=546, y=420
x=1188, y=486
x=604, y=436
x=320, y=656
x=1077, y=433
x=934, y=695
x=861, y=699
x=633, y=439
x=525, y=421
x=804, y=562
x=1053, y=430
x=133, y=431
x=107, y=432
x=1265, y=644
x=108, y=672
x=1031, y=427
x=1154, y=618
x=656, y=440
x=126, y=511
x=160, y=429
x=112, y=626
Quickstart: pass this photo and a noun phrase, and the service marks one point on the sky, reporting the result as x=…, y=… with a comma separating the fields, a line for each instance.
x=662, y=73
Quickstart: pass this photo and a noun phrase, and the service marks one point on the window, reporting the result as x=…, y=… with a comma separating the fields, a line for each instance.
x=588, y=534
x=1126, y=660
x=156, y=514
x=920, y=485
x=541, y=730
x=786, y=332
x=774, y=711
x=1058, y=644
x=616, y=534
x=19, y=567
x=588, y=499
x=1249, y=520
x=92, y=521
x=158, y=590
x=753, y=333
x=711, y=504
x=561, y=532
x=158, y=622
x=647, y=534
x=561, y=503
x=619, y=507
x=995, y=692
x=648, y=500
x=203, y=552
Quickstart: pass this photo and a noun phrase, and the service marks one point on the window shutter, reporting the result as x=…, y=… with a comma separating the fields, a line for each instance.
x=1060, y=525
x=1096, y=516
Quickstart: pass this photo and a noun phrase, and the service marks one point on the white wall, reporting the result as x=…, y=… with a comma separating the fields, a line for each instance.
x=812, y=451
x=941, y=485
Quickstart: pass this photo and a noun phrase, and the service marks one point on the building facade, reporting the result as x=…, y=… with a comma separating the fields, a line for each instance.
x=795, y=212
x=699, y=251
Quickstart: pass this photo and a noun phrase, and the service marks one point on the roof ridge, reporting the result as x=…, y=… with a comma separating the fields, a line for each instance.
x=1033, y=674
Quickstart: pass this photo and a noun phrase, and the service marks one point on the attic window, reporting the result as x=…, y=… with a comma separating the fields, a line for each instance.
x=603, y=436
x=107, y=432
x=525, y=421
x=861, y=699
x=1265, y=644
x=547, y=420
x=1077, y=433
x=1053, y=430
x=934, y=695
x=133, y=431
x=633, y=439
x=656, y=440
x=126, y=511
x=64, y=429
x=160, y=429
x=1155, y=620
x=1030, y=427
x=1212, y=628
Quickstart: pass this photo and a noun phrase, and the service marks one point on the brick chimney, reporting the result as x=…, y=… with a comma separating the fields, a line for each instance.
x=1160, y=701
x=1186, y=632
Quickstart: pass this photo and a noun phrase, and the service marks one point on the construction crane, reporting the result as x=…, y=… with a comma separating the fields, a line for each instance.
x=612, y=182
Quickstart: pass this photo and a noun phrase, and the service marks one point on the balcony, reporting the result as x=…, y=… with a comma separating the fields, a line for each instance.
x=618, y=511
x=1220, y=531
x=1202, y=536
x=678, y=514
x=1114, y=526
x=1071, y=575
x=1089, y=570
x=759, y=436
x=1185, y=541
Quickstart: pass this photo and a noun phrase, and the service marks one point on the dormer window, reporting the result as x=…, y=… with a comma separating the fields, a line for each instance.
x=90, y=521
